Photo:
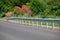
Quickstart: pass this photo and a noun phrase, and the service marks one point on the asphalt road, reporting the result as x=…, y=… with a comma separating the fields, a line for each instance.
x=13, y=31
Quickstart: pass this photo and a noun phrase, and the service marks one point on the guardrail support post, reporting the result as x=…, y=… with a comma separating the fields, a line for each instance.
x=53, y=25
x=37, y=24
x=16, y=20
x=41, y=24
x=33, y=23
x=24, y=21
x=21, y=21
x=47, y=24
x=59, y=26
x=29, y=22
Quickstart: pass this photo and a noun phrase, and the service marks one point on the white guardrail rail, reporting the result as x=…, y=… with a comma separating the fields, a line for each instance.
x=39, y=22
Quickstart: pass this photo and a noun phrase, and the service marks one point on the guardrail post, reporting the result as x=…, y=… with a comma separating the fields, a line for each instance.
x=47, y=24
x=16, y=20
x=53, y=25
x=21, y=21
x=41, y=24
x=37, y=24
x=59, y=26
x=33, y=23
x=24, y=21
x=29, y=22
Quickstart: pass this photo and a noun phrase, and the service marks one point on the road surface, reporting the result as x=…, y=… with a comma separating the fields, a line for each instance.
x=13, y=31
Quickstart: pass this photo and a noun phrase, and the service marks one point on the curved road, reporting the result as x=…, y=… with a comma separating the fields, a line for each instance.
x=13, y=31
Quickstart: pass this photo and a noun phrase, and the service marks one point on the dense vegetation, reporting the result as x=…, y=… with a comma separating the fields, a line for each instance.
x=40, y=8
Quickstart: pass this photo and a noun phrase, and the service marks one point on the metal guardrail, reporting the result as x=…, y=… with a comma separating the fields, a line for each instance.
x=41, y=20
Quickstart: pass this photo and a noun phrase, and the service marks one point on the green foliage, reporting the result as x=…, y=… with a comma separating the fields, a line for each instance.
x=8, y=5
x=36, y=7
x=17, y=14
x=40, y=8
